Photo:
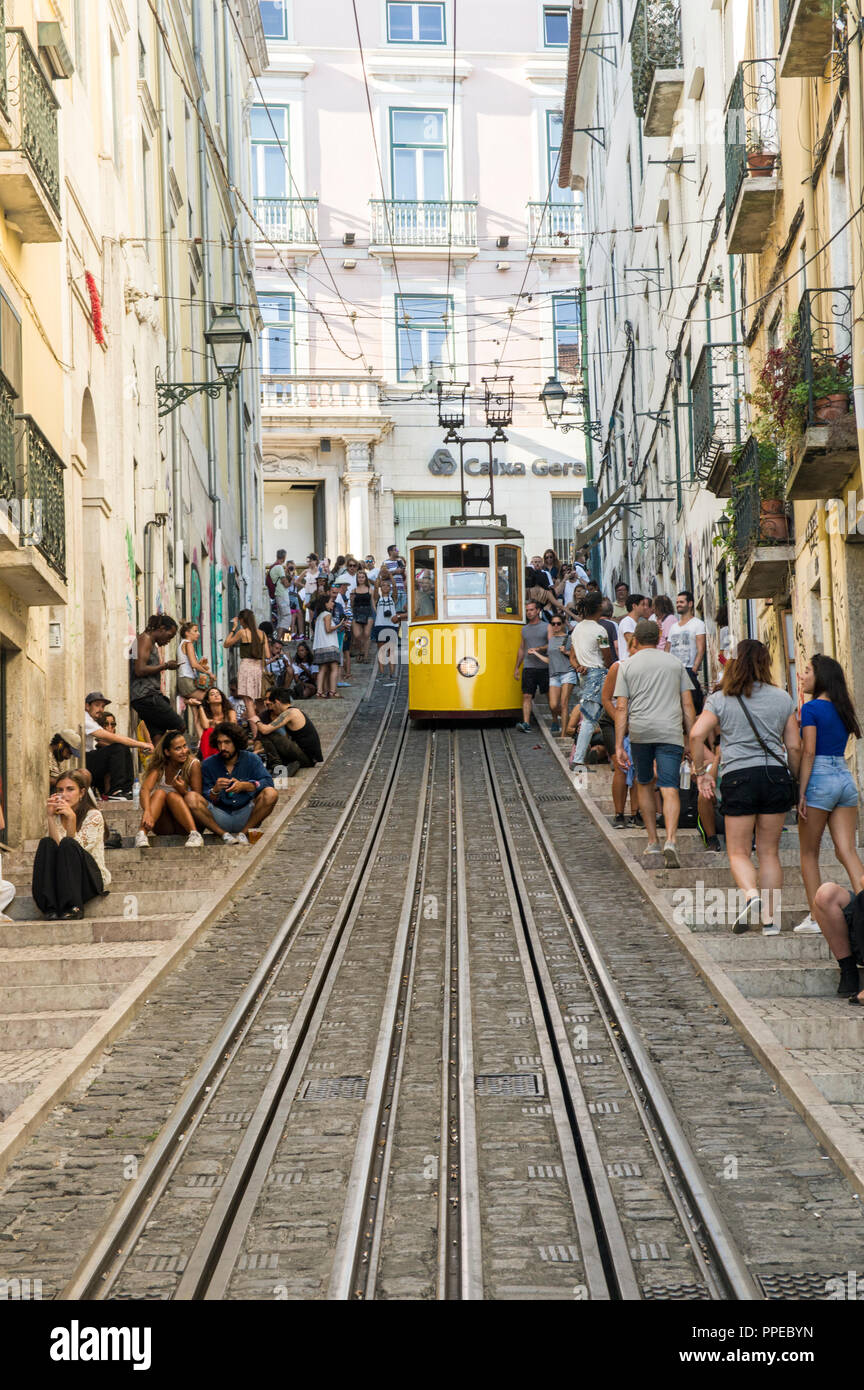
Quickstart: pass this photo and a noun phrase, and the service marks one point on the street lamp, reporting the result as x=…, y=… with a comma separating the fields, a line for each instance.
x=554, y=398
x=227, y=339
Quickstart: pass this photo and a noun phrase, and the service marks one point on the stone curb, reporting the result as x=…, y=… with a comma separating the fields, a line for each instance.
x=26, y=1118
x=832, y=1132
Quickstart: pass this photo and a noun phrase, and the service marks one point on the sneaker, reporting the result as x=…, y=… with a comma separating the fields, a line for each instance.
x=771, y=929
x=651, y=850
x=670, y=855
x=849, y=982
x=748, y=917
x=195, y=840
x=620, y=821
x=524, y=728
x=141, y=841
x=119, y=796
x=555, y=728
x=712, y=844
x=636, y=822
x=242, y=838
x=229, y=839
x=809, y=927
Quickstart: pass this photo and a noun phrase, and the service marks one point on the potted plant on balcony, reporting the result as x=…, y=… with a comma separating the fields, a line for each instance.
x=832, y=389
x=760, y=159
x=768, y=473
x=779, y=399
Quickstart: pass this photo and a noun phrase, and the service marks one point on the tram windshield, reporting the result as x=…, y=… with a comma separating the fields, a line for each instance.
x=465, y=556
x=461, y=583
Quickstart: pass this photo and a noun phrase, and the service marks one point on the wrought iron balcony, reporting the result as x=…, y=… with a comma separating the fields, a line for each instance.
x=762, y=527
x=313, y=395
x=806, y=37
x=404, y=222
x=828, y=450
x=554, y=227
x=4, y=83
x=33, y=507
x=715, y=400
x=657, y=63
x=290, y=220
x=40, y=485
x=752, y=154
x=8, y=480
x=29, y=144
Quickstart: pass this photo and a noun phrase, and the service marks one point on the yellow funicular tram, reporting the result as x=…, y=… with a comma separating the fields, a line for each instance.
x=466, y=590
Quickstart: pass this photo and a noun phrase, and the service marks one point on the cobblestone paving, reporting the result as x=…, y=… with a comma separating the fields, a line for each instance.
x=788, y=1207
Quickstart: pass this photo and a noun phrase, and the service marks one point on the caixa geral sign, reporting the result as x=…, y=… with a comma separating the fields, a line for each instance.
x=443, y=465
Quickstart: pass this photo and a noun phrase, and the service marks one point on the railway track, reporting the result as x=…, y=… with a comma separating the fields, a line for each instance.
x=456, y=1104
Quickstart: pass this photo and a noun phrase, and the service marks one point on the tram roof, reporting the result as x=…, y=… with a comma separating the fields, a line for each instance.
x=466, y=533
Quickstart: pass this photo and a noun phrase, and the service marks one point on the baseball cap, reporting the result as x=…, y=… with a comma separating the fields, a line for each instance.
x=71, y=737
x=96, y=695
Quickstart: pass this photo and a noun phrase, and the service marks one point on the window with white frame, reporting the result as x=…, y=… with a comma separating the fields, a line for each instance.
x=567, y=328
x=556, y=26
x=277, y=335
x=424, y=327
x=554, y=131
x=274, y=17
x=269, y=151
x=415, y=23
x=418, y=151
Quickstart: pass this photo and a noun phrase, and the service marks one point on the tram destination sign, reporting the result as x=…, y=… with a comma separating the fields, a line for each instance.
x=443, y=465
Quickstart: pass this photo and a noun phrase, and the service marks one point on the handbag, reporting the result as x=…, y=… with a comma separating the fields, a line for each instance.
x=204, y=680
x=793, y=781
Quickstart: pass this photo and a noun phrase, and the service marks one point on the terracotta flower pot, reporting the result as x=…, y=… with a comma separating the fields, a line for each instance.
x=761, y=162
x=828, y=408
x=773, y=522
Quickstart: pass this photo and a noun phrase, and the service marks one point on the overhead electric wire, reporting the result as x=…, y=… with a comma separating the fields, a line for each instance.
x=451, y=141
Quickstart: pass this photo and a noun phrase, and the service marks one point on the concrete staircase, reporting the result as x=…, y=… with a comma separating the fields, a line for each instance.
x=791, y=981
x=57, y=978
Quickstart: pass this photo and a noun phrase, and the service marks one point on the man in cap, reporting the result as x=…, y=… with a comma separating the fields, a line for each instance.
x=107, y=753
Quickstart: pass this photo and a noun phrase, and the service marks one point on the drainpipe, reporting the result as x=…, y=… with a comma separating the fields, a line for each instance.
x=811, y=243
x=170, y=336
x=855, y=136
x=204, y=200
x=240, y=396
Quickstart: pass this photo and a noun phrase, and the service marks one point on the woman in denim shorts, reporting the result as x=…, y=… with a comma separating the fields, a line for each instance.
x=828, y=794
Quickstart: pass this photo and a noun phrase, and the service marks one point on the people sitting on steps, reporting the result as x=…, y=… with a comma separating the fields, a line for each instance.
x=214, y=709
x=290, y=739
x=237, y=791
x=107, y=753
x=171, y=773
x=62, y=754
x=69, y=867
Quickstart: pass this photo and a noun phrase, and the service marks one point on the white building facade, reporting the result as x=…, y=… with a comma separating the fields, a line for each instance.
x=410, y=228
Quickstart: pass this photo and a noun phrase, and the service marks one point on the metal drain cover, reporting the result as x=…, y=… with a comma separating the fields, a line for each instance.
x=335, y=1088
x=321, y=803
x=525, y=1083
x=811, y=1286
x=546, y=798
x=689, y=1293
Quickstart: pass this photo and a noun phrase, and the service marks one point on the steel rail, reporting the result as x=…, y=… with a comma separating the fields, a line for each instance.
x=213, y=1259
x=449, y=1193
x=358, y=1243
x=97, y=1272
x=703, y=1222
x=606, y=1258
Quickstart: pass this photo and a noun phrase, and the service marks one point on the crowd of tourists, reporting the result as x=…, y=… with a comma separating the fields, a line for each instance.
x=624, y=681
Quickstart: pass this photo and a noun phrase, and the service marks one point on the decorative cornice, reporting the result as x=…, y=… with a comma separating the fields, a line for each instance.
x=417, y=67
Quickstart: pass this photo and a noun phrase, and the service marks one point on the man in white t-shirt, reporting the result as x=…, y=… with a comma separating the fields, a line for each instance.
x=637, y=608
x=591, y=654
x=687, y=642
x=106, y=752
x=580, y=570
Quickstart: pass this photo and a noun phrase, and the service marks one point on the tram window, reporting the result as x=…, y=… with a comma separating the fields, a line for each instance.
x=467, y=593
x=508, y=570
x=465, y=557
x=423, y=603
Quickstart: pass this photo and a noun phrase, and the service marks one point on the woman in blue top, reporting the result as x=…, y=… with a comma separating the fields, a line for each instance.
x=828, y=794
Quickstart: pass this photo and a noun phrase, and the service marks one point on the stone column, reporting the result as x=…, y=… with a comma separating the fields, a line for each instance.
x=358, y=475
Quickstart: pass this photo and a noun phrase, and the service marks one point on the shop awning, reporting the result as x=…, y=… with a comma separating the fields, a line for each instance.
x=599, y=522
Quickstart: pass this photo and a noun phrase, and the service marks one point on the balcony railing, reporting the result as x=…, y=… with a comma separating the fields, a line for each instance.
x=825, y=346
x=4, y=83
x=827, y=451
x=655, y=42
x=33, y=110
x=752, y=136
x=715, y=394
x=763, y=525
x=41, y=494
x=330, y=395
x=409, y=223
x=291, y=220
x=553, y=224
x=8, y=480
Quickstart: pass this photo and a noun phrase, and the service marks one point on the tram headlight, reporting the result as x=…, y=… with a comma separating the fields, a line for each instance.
x=468, y=666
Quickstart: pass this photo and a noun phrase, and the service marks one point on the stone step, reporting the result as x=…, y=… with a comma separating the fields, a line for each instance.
x=40, y=999
x=136, y=903
x=838, y=1072
x=150, y=874
x=714, y=872
x=786, y=980
x=55, y=1028
x=21, y=1072
x=814, y=1022
x=110, y=962
x=170, y=848
x=700, y=916
x=38, y=932
x=733, y=949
